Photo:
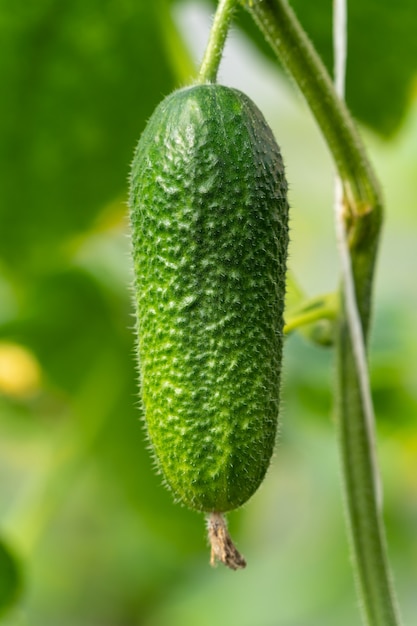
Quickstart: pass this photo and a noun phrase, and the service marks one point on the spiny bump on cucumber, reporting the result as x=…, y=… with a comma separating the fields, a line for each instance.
x=209, y=221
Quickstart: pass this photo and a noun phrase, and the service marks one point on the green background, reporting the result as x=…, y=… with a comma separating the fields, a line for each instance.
x=88, y=534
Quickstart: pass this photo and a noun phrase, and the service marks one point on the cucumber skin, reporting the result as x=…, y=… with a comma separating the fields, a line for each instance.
x=209, y=222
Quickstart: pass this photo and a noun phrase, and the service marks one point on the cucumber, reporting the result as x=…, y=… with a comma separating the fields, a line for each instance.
x=209, y=222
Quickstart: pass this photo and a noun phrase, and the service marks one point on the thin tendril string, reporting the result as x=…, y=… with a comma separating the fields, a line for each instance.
x=353, y=317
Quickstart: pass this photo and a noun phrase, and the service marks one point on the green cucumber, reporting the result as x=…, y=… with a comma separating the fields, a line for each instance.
x=209, y=221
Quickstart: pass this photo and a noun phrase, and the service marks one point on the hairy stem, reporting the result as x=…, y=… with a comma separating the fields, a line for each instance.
x=365, y=524
x=362, y=219
x=217, y=39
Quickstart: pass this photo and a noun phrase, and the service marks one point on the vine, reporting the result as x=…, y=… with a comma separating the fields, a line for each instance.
x=217, y=39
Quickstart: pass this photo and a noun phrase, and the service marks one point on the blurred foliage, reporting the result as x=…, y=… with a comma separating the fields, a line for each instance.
x=10, y=577
x=100, y=540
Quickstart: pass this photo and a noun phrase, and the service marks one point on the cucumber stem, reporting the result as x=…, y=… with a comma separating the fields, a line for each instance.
x=217, y=39
x=222, y=547
x=363, y=209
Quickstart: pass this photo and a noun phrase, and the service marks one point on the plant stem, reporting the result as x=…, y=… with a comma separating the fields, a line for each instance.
x=217, y=39
x=367, y=536
x=363, y=217
x=320, y=308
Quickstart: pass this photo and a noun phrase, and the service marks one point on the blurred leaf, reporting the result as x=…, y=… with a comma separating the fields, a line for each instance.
x=79, y=80
x=10, y=578
x=65, y=320
x=382, y=54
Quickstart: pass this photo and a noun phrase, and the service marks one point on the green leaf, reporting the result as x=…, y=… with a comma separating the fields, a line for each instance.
x=79, y=80
x=10, y=578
